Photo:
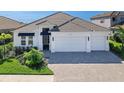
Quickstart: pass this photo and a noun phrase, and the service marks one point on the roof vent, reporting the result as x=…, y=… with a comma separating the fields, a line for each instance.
x=55, y=28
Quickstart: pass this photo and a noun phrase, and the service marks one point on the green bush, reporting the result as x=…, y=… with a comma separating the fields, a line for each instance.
x=117, y=38
x=8, y=47
x=34, y=58
x=116, y=48
x=1, y=52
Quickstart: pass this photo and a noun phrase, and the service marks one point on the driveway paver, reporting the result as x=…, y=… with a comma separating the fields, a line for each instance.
x=88, y=72
x=81, y=57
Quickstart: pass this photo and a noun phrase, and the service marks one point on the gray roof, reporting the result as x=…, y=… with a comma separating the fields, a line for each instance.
x=108, y=14
x=67, y=23
x=7, y=24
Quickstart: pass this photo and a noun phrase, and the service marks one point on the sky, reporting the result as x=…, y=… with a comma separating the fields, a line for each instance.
x=29, y=16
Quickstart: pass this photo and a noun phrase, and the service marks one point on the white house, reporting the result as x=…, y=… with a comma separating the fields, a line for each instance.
x=61, y=32
x=108, y=19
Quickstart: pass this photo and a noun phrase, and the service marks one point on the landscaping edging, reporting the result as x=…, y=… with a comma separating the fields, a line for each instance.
x=26, y=78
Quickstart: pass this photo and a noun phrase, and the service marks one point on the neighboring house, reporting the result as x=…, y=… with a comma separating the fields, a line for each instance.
x=61, y=32
x=7, y=24
x=109, y=19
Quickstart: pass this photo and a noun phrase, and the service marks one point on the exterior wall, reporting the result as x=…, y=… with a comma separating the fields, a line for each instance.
x=40, y=41
x=26, y=29
x=118, y=20
x=37, y=39
x=17, y=39
x=88, y=45
x=107, y=22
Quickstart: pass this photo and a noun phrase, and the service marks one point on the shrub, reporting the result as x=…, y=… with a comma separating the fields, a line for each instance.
x=111, y=38
x=117, y=38
x=5, y=37
x=116, y=47
x=34, y=58
x=111, y=46
x=19, y=50
x=1, y=52
x=7, y=47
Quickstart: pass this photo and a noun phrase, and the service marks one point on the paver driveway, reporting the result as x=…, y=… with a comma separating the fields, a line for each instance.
x=81, y=57
x=88, y=72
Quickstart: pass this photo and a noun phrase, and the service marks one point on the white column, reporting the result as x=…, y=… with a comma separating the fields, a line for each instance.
x=39, y=39
x=107, y=43
x=88, y=39
x=52, y=40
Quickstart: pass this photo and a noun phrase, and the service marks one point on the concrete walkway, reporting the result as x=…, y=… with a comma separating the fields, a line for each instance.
x=88, y=72
x=26, y=78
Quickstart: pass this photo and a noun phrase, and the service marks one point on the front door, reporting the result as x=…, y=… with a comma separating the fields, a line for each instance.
x=45, y=34
x=45, y=42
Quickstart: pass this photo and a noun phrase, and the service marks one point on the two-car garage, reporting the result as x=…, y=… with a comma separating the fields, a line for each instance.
x=67, y=44
x=77, y=42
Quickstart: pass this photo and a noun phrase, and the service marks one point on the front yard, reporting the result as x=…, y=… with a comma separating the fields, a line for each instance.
x=13, y=66
x=21, y=61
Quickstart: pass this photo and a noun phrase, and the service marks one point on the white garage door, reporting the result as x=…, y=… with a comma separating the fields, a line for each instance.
x=70, y=44
x=98, y=43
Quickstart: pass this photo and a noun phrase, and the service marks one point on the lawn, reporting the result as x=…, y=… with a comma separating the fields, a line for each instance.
x=116, y=48
x=12, y=66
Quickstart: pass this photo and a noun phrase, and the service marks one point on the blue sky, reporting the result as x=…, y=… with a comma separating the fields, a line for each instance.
x=29, y=16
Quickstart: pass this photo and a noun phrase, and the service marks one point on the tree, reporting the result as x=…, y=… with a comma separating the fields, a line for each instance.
x=3, y=35
x=120, y=33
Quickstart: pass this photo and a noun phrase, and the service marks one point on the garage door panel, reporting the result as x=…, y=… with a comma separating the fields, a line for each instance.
x=98, y=43
x=70, y=44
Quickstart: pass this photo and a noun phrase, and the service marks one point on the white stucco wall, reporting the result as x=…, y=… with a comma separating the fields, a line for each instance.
x=17, y=39
x=107, y=22
x=32, y=28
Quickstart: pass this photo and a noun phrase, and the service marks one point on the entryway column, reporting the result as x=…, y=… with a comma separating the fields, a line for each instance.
x=88, y=47
x=107, y=43
x=52, y=39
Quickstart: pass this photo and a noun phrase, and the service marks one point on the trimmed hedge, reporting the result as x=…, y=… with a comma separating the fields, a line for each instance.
x=116, y=48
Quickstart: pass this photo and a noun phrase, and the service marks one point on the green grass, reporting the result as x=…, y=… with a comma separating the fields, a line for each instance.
x=12, y=66
x=116, y=48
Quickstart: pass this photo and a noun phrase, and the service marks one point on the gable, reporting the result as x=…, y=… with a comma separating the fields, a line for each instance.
x=7, y=23
x=56, y=18
x=64, y=22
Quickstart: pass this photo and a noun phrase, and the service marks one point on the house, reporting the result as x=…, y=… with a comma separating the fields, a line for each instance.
x=61, y=32
x=7, y=24
x=109, y=19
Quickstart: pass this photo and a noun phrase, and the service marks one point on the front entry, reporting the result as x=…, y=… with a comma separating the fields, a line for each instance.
x=45, y=34
x=45, y=42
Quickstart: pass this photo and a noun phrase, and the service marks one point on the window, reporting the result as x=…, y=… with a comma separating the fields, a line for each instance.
x=114, y=19
x=23, y=37
x=102, y=21
x=30, y=40
x=23, y=40
x=30, y=37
